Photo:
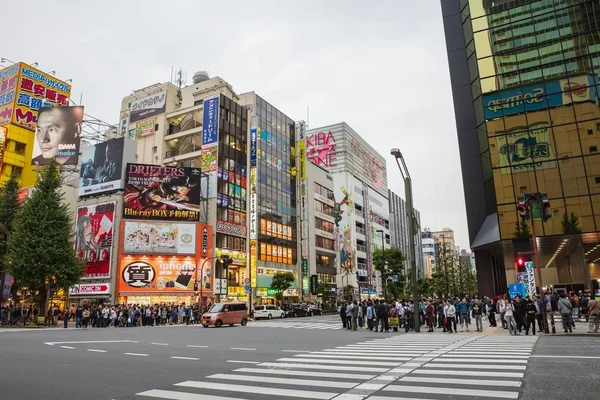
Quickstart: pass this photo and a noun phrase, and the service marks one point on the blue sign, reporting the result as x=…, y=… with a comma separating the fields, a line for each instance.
x=516, y=288
x=253, y=147
x=210, y=122
x=394, y=278
x=527, y=98
x=367, y=291
x=247, y=288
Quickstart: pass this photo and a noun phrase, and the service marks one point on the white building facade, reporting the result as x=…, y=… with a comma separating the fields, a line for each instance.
x=399, y=231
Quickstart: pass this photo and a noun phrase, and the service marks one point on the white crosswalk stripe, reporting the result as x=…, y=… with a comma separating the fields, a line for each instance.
x=414, y=366
x=295, y=325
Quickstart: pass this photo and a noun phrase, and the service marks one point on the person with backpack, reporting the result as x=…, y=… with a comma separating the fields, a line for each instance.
x=594, y=315
x=566, y=311
x=530, y=311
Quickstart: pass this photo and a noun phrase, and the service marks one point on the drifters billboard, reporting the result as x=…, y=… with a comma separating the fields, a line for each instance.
x=57, y=135
x=101, y=168
x=155, y=192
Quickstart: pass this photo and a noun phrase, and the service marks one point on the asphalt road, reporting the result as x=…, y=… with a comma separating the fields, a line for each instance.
x=291, y=358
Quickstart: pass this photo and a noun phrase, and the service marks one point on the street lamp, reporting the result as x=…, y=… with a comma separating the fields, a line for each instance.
x=225, y=260
x=412, y=228
x=383, y=256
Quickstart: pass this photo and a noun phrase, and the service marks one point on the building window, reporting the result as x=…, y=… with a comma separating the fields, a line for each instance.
x=231, y=242
x=323, y=191
x=324, y=208
x=323, y=225
x=17, y=171
x=324, y=243
x=20, y=148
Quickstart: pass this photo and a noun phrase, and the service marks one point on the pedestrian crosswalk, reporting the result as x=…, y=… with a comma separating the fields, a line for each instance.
x=296, y=325
x=436, y=366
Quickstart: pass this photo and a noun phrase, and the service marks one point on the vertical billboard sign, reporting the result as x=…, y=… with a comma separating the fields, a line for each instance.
x=57, y=135
x=210, y=138
x=36, y=89
x=94, y=238
x=303, y=204
x=3, y=132
x=253, y=200
x=162, y=193
x=8, y=85
x=368, y=236
x=102, y=166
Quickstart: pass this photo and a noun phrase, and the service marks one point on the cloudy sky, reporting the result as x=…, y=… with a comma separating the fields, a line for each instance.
x=380, y=66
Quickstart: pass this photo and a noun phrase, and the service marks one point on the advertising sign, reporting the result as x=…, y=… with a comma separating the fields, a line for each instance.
x=209, y=159
x=253, y=147
x=145, y=127
x=515, y=289
x=101, y=168
x=253, y=218
x=210, y=121
x=7, y=285
x=253, y=264
x=148, y=107
x=528, y=146
x=162, y=193
x=3, y=132
x=89, y=289
x=159, y=238
x=230, y=228
x=156, y=274
x=94, y=238
x=57, y=135
x=8, y=85
x=35, y=90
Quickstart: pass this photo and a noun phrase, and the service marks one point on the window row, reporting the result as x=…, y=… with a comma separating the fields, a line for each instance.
x=323, y=191
x=278, y=254
x=324, y=225
x=275, y=229
x=230, y=242
x=324, y=243
x=235, y=217
x=324, y=208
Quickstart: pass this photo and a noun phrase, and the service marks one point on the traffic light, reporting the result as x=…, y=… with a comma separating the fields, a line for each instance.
x=226, y=260
x=520, y=264
x=546, y=212
x=523, y=209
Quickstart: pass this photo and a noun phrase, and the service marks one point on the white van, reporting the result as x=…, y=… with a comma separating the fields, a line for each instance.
x=268, y=311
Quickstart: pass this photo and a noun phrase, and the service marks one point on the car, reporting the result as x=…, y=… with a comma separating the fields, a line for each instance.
x=226, y=314
x=295, y=310
x=314, y=310
x=268, y=311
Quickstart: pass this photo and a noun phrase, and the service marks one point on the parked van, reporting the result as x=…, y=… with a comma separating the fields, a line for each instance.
x=226, y=314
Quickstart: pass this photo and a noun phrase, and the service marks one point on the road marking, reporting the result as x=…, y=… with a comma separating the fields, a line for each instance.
x=318, y=374
x=242, y=348
x=351, y=357
x=327, y=361
x=243, y=362
x=296, y=351
x=96, y=351
x=574, y=357
x=160, y=344
x=358, y=368
x=285, y=381
x=452, y=391
x=197, y=346
x=92, y=341
x=469, y=360
x=168, y=394
x=477, y=382
x=136, y=354
x=305, y=394
x=185, y=358
x=67, y=347
x=464, y=366
x=495, y=374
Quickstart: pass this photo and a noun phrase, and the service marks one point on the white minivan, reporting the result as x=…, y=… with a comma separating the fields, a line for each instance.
x=268, y=311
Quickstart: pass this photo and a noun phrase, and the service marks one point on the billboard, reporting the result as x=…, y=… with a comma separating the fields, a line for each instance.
x=102, y=166
x=90, y=289
x=156, y=192
x=522, y=147
x=8, y=86
x=35, y=90
x=3, y=132
x=57, y=135
x=94, y=238
x=148, y=107
x=210, y=122
x=145, y=127
x=156, y=274
x=159, y=238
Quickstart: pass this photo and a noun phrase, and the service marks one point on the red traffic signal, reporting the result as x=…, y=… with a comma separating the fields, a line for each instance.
x=520, y=263
x=546, y=211
x=523, y=210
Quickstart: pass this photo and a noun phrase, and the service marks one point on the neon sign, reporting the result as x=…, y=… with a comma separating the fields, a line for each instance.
x=320, y=149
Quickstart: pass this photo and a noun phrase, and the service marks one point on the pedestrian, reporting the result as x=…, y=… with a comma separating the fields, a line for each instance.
x=566, y=311
x=477, y=310
x=509, y=317
x=66, y=316
x=78, y=316
x=450, y=317
x=349, y=316
x=593, y=315
x=355, y=311
x=343, y=314
x=360, y=314
x=429, y=315
x=530, y=311
x=85, y=317
x=382, y=312
x=463, y=311
x=370, y=316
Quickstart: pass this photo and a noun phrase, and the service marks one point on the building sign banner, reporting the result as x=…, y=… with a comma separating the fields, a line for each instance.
x=101, y=168
x=159, y=238
x=530, y=146
x=8, y=85
x=35, y=90
x=57, y=135
x=320, y=149
x=94, y=238
x=210, y=122
x=253, y=217
x=89, y=289
x=156, y=274
x=148, y=107
x=229, y=228
x=253, y=264
x=238, y=257
x=3, y=132
x=209, y=159
x=163, y=193
x=253, y=147
x=145, y=127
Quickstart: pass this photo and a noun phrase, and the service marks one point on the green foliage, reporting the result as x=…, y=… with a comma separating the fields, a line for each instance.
x=445, y=271
x=467, y=279
x=570, y=226
x=9, y=209
x=391, y=262
x=426, y=286
x=282, y=281
x=324, y=289
x=522, y=230
x=348, y=293
x=41, y=253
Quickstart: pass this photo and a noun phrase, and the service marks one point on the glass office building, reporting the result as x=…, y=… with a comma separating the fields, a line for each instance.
x=524, y=81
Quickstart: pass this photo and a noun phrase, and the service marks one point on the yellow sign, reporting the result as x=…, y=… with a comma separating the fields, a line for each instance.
x=37, y=89
x=3, y=132
x=302, y=154
x=209, y=159
x=253, y=263
x=145, y=127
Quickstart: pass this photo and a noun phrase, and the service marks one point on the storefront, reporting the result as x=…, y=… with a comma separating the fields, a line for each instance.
x=269, y=296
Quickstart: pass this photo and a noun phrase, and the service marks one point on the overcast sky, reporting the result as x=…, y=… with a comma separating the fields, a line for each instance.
x=380, y=66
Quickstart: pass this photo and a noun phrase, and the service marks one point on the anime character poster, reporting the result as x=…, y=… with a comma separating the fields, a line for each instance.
x=94, y=238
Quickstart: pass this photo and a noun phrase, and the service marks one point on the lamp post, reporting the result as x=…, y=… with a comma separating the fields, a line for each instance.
x=384, y=262
x=411, y=222
x=225, y=260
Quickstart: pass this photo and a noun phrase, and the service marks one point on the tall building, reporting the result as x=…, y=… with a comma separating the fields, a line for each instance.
x=361, y=211
x=399, y=231
x=524, y=80
x=446, y=236
x=428, y=252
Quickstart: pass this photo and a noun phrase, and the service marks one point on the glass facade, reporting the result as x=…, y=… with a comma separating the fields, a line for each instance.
x=534, y=70
x=276, y=188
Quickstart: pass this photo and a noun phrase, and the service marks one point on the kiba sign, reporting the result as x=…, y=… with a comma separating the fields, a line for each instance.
x=86, y=289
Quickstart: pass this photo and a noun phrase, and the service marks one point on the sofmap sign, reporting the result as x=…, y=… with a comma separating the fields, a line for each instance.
x=539, y=96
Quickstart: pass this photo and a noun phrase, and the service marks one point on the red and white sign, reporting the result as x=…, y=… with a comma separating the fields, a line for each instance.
x=86, y=289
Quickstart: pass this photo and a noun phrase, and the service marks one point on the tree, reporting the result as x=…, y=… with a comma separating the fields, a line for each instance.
x=282, y=281
x=445, y=273
x=41, y=255
x=522, y=230
x=9, y=209
x=390, y=262
x=570, y=226
x=348, y=293
x=467, y=279
x=426, y=286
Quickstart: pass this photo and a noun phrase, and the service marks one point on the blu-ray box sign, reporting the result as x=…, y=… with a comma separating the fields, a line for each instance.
x=156, y=192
